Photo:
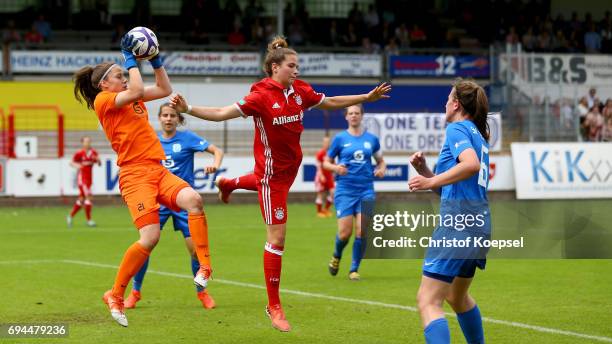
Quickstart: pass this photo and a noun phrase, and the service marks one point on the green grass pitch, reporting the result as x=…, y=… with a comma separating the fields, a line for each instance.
x=49, y=273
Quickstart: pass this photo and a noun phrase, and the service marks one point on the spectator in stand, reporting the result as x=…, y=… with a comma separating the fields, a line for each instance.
x=560, y=24
x=566, y=113
x=388, y=15
x=367, y=47
x=236, y=37
x=258, y=37
x=385, y=32
x=607, y=130
x=371, y=18
x=10, y=33
x=391, y=48
x=102, y=9
x=606, y=38
x=402, y=35
x=559, y=43
x=529, y=40
x=231, y=12
x=544, y=41
x=43, y=27
x=350, y=38
x=118, y=32
x=575, y=24
x=334, y=36
x=592, y=97
x=594, y=124
x=251, y=12
x=355, y=16
x=592, y=40
x=581, y=111
x=607, y=20
x=418, y=38
x=33, y=36
x=607, y=109
x=295, y=32
x=512, y=37
x=572, y=43
x=197, y=35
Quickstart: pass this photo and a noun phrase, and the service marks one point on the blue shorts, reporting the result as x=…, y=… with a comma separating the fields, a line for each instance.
x=447, y=269
x=349, y=202
x=178, y=218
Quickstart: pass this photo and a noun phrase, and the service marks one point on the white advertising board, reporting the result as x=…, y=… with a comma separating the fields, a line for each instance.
x=562, y=170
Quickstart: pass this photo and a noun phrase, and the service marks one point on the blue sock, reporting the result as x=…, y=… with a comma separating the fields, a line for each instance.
x=357, y=254
x=140, y=276
x=471, y=325
x=339, y=247
x=195, y=266
x=437, y=332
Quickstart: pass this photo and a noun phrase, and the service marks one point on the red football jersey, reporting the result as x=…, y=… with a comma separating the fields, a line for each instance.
x=320, y=158
x=86, y=159
x=278, y=113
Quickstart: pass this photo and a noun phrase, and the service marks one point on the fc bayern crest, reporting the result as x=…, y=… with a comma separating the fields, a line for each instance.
x=279, y=213
x=298, y=99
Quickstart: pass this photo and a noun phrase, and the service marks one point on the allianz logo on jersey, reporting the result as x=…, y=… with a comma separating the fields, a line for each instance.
x=281, y=120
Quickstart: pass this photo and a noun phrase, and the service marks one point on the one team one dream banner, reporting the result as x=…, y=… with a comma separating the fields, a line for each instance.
x=420, y=131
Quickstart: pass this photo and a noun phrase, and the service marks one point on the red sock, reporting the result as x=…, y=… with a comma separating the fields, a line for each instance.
x=246, y=182
x=88, y=206
x=132, y=261
x=273, y=257
x=318, y=207
x=328, y=204
x=76, y=208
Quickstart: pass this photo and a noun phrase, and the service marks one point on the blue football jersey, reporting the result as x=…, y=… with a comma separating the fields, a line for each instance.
x=179, y=151
x=355, y=152
x=459, y=137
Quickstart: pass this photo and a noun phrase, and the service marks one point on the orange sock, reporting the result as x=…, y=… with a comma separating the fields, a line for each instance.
x=198, y=228
x=132, y=261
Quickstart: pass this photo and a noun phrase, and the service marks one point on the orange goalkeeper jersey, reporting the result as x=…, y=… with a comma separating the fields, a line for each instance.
x=128, y=130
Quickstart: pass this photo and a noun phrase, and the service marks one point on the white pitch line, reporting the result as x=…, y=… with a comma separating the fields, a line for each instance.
x=330, y=297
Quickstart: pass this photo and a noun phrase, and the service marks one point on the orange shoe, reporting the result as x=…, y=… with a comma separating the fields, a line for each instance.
x=224, y=193
x=276, y=314
x=201, y=278
x=321, y=215
x=132, y=299
x=115, y=305
x=207, y=300
x=328, y=213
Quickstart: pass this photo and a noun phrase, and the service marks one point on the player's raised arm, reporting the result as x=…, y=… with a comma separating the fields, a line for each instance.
x=133, y=88
x=162, y=87
x=215, y=114
x=341, y=102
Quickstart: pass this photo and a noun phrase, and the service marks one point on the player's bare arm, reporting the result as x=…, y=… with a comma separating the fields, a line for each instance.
x=215, y=114
x=468, y=166
x=381, y=166
x=329, y=165
x=340, y=102
x=218, y=158
x=162, y=87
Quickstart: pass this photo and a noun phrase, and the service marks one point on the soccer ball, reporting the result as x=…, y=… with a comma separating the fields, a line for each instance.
x=146, y=46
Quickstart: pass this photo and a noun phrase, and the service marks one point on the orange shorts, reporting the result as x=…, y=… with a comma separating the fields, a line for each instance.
x=144, y=186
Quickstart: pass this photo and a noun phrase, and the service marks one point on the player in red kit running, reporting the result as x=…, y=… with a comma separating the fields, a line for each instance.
x=277, y=104
x=324, y=182
x=84, y=160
